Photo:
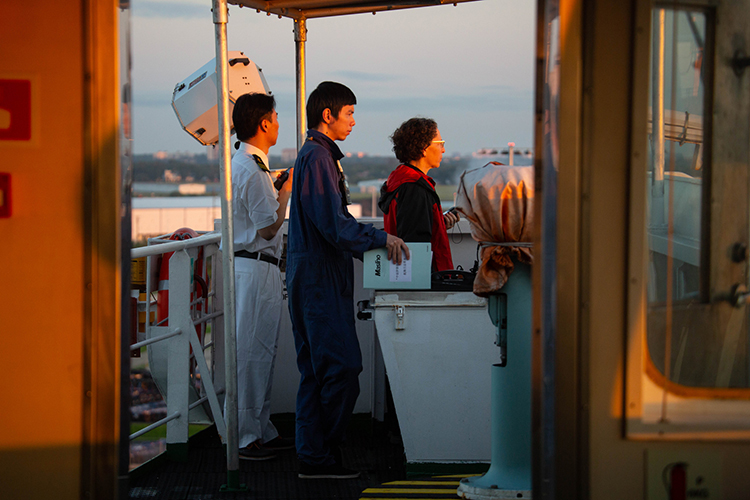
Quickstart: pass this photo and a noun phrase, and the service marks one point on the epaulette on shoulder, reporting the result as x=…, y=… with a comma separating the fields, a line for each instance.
x=259, y=162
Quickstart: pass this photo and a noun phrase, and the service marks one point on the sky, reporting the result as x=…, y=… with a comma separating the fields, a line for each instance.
x=470, y=67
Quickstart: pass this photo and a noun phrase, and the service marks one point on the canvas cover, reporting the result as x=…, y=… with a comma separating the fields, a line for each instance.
x=498, y=200
x=309, y=9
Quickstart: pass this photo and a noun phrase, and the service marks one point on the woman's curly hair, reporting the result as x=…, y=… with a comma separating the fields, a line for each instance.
x=412, y=138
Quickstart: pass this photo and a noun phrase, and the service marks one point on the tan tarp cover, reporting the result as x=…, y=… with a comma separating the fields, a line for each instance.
x=309, y=9
x=498, y=200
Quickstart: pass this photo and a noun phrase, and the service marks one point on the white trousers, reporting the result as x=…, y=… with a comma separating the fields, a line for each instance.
x=259, y=299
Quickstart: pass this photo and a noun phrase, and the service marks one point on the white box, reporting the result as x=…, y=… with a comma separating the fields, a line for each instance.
x=194, y=99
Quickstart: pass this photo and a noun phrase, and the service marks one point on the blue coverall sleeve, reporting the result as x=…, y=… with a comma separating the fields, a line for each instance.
x=320, y=195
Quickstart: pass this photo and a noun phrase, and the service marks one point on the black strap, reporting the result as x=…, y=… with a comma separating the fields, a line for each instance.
x=257, y=256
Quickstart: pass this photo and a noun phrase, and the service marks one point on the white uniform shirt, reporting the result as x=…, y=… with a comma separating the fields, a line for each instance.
x=255, y=203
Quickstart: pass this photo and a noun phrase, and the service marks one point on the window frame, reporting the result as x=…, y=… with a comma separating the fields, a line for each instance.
x=696, y=413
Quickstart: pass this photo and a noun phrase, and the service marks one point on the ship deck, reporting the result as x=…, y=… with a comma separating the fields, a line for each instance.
x=374, y=448
x=371, y=448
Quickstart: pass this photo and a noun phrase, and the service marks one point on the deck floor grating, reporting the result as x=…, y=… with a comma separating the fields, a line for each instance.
x=372, y=451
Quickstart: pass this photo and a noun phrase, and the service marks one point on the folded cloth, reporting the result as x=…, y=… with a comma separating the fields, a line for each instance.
x=498, y=200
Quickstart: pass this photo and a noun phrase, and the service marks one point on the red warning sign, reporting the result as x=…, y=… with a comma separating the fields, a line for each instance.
x=15, y=110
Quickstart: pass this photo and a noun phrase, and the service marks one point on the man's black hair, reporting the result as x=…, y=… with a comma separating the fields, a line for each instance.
x=331, y=95
x=412, y=138
x=249, y=111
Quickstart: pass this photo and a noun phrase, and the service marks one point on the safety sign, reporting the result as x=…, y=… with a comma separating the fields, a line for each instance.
x=15, y=110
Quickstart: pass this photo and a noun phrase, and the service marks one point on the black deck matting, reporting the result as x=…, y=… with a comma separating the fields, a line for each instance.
x=371, y=450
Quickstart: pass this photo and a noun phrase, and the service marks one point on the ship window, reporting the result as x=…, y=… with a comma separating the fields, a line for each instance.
x=675, y=159
x=676, y=185
x=687, y=360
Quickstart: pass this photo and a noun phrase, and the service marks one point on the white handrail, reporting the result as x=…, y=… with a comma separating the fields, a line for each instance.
x=178, y=361
x=175, y=246
x=208, y=317
x=153, y=340
x=156, y=424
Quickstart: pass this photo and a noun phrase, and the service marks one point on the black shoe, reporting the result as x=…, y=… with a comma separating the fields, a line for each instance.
x=256, y=451
x=280, y=443
x=307, y=471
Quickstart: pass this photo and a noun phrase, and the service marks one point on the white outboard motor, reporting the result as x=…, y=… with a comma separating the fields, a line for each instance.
x=194, y=99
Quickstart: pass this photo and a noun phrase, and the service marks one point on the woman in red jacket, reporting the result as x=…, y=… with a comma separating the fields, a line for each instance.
x=410, y=205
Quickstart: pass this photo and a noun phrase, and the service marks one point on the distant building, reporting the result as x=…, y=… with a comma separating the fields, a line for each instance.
x=355, y=209
x=192, y=189
x=170, y=176
x=371, y=186
x=155, y=216
x=161, y=155
x=517, y=151
x=288, y=155
x=212, y=153
x=183, y=155
x=521, y=156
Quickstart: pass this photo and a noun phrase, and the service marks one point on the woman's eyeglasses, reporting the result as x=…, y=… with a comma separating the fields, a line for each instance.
x=439, y=143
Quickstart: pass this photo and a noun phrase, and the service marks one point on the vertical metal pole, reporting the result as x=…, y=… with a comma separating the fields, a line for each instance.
x=221, y=15
x=147, y=325
x=126, y=228
x=300, y=37
x=657, y=123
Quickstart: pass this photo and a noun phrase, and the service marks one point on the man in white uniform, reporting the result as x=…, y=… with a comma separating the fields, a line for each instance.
x=259, y=210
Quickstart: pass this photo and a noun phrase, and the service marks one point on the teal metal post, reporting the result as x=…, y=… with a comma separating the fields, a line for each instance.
x=509, y=475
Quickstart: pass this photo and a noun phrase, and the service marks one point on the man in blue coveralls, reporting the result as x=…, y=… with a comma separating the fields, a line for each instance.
x=323, y=237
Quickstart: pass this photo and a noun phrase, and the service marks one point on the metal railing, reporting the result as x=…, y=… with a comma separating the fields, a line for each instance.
x=191, y=317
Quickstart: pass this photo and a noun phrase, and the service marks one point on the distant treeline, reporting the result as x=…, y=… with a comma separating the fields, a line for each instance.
x=148, y=169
